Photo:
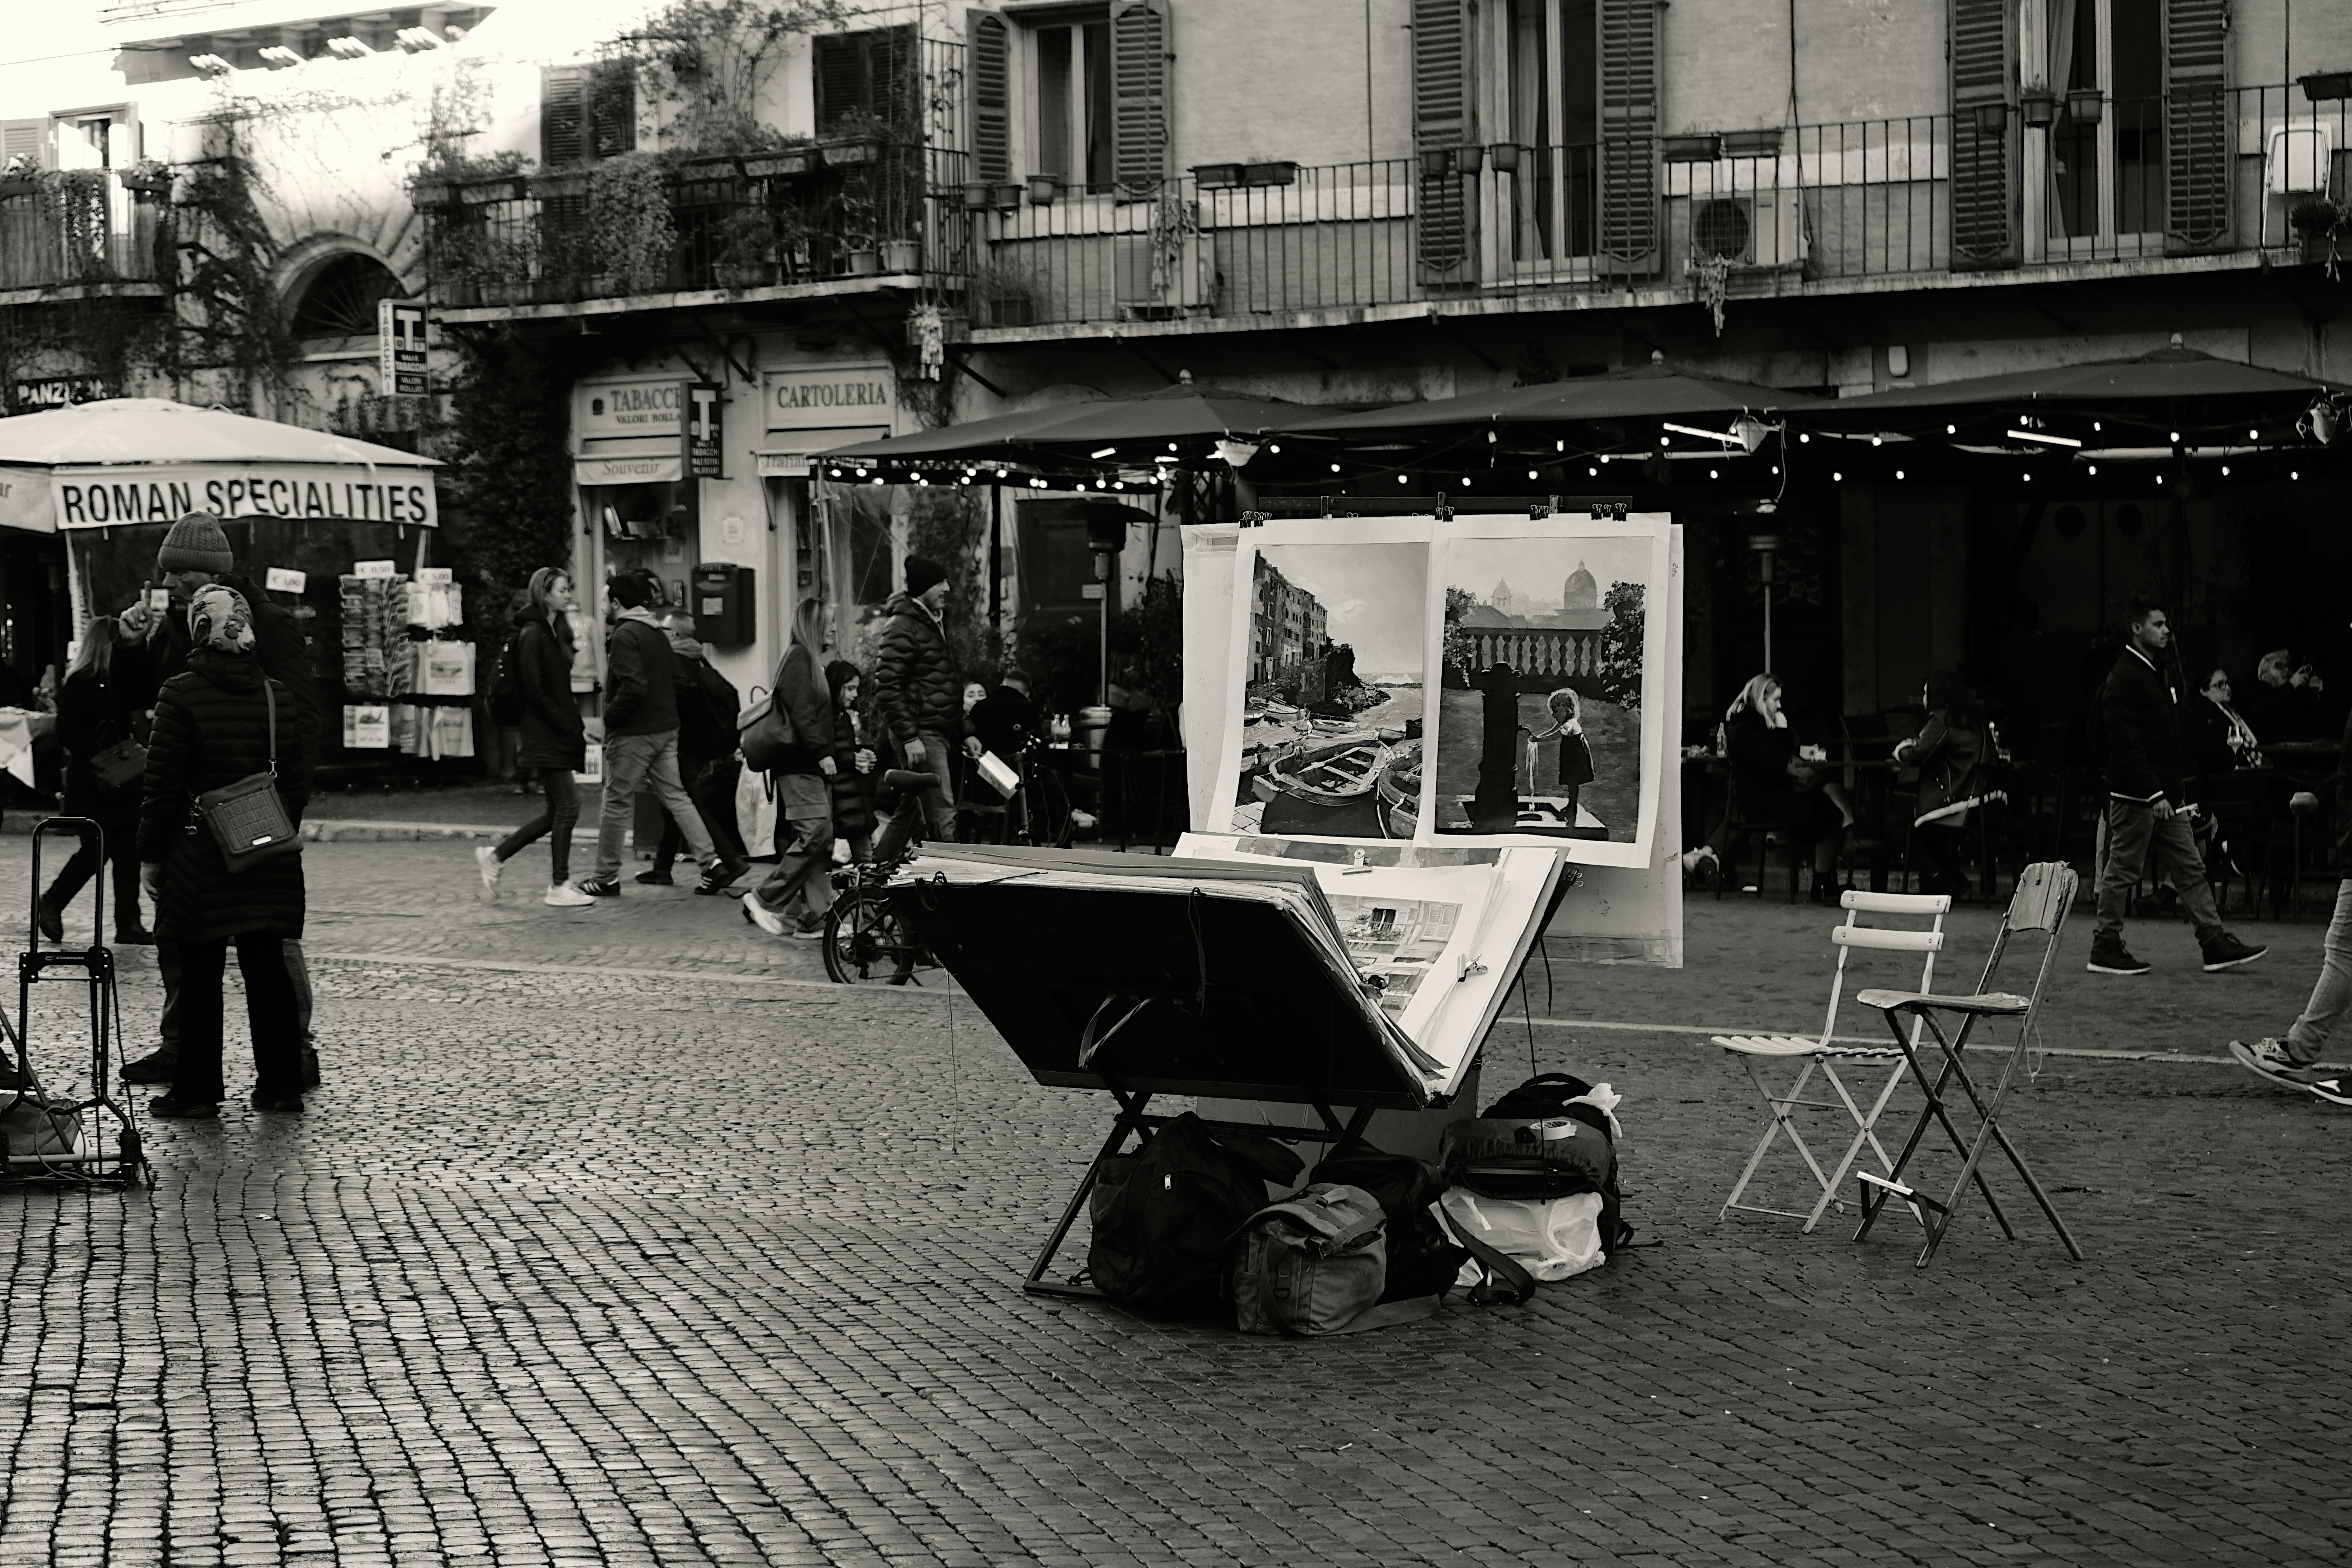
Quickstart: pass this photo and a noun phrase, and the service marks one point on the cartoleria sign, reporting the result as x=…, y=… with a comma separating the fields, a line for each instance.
x=828, y=395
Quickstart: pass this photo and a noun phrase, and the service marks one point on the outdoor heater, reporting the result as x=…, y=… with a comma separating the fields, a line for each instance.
x=1765, y=545
x=1104, y=538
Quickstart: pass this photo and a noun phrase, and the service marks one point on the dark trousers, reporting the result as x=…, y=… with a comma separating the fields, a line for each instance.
x=711, y=788
x=298, y=981
x=1942, y=856
x=123, y=860
x=555, y=821
x=270, y=1012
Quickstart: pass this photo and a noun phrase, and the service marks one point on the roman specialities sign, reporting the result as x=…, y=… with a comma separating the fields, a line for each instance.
x=823, y=396
x=115, y=497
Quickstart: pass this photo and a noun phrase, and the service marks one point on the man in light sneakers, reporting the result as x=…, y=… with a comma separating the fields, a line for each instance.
x=2139, y=720
x=2290, y=1061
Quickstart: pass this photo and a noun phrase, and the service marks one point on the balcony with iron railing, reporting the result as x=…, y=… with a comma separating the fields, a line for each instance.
x=83, y=231
x=2078, y=183
x=846, y=212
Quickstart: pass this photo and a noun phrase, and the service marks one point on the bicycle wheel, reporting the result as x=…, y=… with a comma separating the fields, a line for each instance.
x=864, y=943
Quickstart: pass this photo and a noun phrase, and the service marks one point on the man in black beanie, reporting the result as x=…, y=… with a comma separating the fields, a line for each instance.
x=920, y=703
x=193, y=554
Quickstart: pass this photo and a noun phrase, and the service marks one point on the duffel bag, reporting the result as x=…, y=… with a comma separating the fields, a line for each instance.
x=1165, y=1216
x=1317, y=1264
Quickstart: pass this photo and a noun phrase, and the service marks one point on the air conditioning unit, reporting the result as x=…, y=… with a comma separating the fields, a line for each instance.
x=1761, y=228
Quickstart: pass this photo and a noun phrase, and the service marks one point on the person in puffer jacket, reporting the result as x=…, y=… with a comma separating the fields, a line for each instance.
x=2289, y=1060
x=920, y=703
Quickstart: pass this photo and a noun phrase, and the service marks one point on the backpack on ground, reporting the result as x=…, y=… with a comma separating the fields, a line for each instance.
x=1549, y=1138
x=1165, y=1216
x=1422, y=1260
x=1317, y=1264
x=506, y=683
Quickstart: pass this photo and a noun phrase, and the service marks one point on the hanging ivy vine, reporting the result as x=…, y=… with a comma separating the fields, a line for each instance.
x=507, y=445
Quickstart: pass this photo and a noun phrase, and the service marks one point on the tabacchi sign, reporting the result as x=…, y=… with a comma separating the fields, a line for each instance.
x=829, y=396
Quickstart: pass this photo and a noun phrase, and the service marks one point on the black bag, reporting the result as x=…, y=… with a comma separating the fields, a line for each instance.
x=121, y=765
x=506, y=684
x=1164, y=1216
x=1422, y=1260
x=249, y=818
x=1532, y=1144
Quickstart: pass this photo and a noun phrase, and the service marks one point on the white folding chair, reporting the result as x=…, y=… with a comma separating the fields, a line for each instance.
x=1822, y=1056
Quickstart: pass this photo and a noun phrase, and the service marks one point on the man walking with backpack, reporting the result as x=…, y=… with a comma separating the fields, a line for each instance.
x=706, y=705
x=2143, y=752
x=920, y=703
x=641, y=740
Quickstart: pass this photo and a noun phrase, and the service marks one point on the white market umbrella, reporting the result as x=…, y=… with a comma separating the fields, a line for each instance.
x=126, y=460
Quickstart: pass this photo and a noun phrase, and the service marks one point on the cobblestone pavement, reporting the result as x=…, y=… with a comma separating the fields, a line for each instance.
x=615, y=1239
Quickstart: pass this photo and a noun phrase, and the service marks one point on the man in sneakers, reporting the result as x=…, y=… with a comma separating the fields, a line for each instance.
x=2289, y=1061
x=920, y=703
x=2140, y=719
x=641, y=740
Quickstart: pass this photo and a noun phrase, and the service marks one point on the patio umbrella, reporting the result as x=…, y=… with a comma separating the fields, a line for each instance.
x=1654, y=391
x=125, y=461
x=2164, y=374
x=1137, y=430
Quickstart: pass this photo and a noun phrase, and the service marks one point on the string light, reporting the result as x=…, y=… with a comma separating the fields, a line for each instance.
x=1593, y=471
x=1335, y=467
x=2095, y=467
x=1877, y=441
x=1400, y=478
x=1837, y=478
x=1899, y=473
x=1560, y=446
x=2225, y=470
x=1532, y=474
x=1951, y=429
x=1804, y=437
x=1710, y=474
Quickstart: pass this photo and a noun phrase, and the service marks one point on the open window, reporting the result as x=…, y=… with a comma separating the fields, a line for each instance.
x=586, y=113
x=1079, y=93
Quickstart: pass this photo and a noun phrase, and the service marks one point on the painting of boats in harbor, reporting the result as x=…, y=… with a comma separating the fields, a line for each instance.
x=1331, y=698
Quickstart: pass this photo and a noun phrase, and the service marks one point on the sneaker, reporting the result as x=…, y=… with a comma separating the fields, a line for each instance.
x=2269, y=1056
x=759, y=915
x=158, y=1065
x=721, y=876
x=657, y=879
x=2113, y=958
x=2226, y=952
x=172, y=1107
x=284, y=1104
x=564, y=896
x=137, y=936
x=809, y=931
x=486, y=857
x=2334, y=1090
x=599, y=887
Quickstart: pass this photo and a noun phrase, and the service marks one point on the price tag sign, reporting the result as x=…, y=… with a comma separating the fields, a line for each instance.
x=434, y=575
x=285, y=579
x=375, y=569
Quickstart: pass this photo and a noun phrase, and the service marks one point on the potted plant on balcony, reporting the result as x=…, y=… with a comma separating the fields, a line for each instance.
x=861, y=253
x=902, y=255
x=746, y=240
x=783, y=158
x=17, y=177
x=2319, y=221
x=1270, y=172
x=506, y=271
x=1006, y=294
x=855, y=138
x=631, y=232
x=147, y=177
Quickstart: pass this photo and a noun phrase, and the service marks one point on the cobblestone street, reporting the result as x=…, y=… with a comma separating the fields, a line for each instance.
x=616, y=1236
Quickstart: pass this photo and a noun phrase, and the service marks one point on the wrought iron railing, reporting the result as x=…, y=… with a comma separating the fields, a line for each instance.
x=58, y=230
x=2051, y=179
x=849, y=207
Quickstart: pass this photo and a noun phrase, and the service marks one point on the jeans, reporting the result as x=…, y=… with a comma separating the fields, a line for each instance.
x=2333, y=995
x=804, y=815
x=270, y=1012
x=2137, y=840
x=554, y=819
x=935, y=808
x=712, y=790
x=631, y=760
x=169, y=961
x=123, y=859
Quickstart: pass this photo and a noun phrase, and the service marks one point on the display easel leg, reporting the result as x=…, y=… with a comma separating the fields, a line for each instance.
x=1130, y=1119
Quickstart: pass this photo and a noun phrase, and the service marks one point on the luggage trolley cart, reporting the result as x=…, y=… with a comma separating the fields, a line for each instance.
x=50, y=1138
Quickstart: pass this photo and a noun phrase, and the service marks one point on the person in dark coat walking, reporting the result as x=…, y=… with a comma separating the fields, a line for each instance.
x=920, y=703
x=2146, y=759
x=219, y=720
x=553, y=741
x=92, y=719
x=804, y=790
x=2290, y=1059
x=708, y=703
x=194, y=554
x=854, y=762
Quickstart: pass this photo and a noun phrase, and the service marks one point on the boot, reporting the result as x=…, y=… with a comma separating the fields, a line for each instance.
x=50, y=920
x=158, y=1065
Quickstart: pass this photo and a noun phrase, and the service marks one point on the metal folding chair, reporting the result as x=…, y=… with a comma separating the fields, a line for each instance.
x=2044, y=893
x=1822, y=1056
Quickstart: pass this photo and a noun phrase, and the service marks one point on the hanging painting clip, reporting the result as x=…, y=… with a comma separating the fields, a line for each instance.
x=1539, y=511
x=1440, y=512
x=1255, y=519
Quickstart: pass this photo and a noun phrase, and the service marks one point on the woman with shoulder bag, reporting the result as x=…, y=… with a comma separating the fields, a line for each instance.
x=804, y=795
x=103, y=763
x=221, y=725
x=554, y=740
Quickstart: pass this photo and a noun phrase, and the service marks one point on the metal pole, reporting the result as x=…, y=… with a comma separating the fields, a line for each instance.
x=996, y=558
x=1103, y=695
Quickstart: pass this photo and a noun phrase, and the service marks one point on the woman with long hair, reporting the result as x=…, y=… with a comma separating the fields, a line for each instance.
x=93, y=719
x=1946, y=750
x=219, y=721
x=1774, y=787
x=554, y=743
x=804, y=788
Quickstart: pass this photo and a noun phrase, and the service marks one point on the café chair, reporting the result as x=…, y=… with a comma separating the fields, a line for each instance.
x=1824, y=1056
x=1736, y=829
x=2045, y=892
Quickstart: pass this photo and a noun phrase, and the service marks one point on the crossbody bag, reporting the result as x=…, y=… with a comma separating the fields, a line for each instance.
x=249, y=818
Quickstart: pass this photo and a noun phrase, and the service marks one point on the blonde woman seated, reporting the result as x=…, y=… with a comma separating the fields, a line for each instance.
x=1778, y=788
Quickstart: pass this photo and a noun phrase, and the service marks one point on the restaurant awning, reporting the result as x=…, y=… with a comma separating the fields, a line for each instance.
x=127, y=460
x=1654, y=391
x=1179, y=423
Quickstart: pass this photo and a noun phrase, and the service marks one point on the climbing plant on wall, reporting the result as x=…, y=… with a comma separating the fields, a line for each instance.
x=508, y=446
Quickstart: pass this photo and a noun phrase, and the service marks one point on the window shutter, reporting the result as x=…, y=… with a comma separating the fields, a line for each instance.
x=1984, y=195
x=1442, y=118
x=1140, y=71
x=876, y=72
x=2196, y=124
x=611, y=105
x=562, y=115
x=990, y=48
x=840, y=78
x=1629, y=134
x=25, y=139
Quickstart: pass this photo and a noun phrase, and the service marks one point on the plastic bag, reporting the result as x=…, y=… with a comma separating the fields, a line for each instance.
x=1554, y=1237
x=755, y=812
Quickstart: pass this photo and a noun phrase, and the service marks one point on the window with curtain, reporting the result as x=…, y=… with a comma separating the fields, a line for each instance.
x=1073, y=137
x=1552, y=67
x=2107, y=174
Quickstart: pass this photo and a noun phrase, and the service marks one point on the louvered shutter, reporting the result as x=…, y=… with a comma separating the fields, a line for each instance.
x=562, y=116
x=840, y=78
x=25, y=139
x=1442, y=118
x=1984, y=191
x=1139, y=70
x=611, y=103
x=1629, y=132
x=2196, y=125
x=894, y=77
x=990, y=48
